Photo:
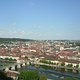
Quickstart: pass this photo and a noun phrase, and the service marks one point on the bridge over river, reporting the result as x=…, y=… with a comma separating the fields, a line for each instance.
x=24, y=63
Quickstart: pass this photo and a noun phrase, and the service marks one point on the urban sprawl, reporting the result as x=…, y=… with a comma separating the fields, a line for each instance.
x=60, y=54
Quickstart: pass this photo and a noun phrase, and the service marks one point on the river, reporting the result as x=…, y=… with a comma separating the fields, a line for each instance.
x=53, y=74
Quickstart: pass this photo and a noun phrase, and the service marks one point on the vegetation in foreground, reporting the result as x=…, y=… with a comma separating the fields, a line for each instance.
x=3, y=76
x=68, y=78
x=29, y=75
x=33, y=75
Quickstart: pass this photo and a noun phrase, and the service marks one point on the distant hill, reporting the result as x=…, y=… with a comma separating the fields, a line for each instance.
x=6, y=40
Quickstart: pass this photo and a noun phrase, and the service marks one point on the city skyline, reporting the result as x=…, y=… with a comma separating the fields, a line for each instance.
x=40, y=19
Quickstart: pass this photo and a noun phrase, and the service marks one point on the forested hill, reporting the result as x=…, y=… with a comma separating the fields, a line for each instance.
x=5, y=40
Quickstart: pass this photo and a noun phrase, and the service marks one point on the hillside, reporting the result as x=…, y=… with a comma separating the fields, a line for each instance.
x=6, y=40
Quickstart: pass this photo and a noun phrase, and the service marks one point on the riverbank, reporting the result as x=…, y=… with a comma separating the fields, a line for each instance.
x=51, y=73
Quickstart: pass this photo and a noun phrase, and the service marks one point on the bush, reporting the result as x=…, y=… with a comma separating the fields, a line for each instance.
x=28, y=75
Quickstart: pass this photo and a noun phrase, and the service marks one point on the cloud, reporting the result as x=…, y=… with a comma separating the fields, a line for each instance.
x=24, y=34
x=11, y=24
x=17, y=33
x=30, y=33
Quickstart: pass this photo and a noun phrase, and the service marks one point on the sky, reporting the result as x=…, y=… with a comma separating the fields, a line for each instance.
x=40, y=19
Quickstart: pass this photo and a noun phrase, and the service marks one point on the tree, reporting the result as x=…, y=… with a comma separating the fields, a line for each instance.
x=10, y=68
x=26, y=57
x=28, y=75
x=63, y=69
x=14, y=60
x=43, y=77
x=3, y=76
x=20, y=65
x=62, y=64
x=16, y=69
x=77, y=66
x=70, y=65
x=10, y=59
x=8, y=78
x=6, y=58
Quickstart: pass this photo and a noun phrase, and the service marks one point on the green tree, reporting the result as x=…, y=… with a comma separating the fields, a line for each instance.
x=28, y=75
x=6, y=58
x=43, y=77
x=14, y=60
x=10, y=68
x=11, y=59
x=16, y=69
x=63, y=69
x=26, y=57
x=77, y=66
x=70, y=65
x=20, y=65
x=62, y=64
